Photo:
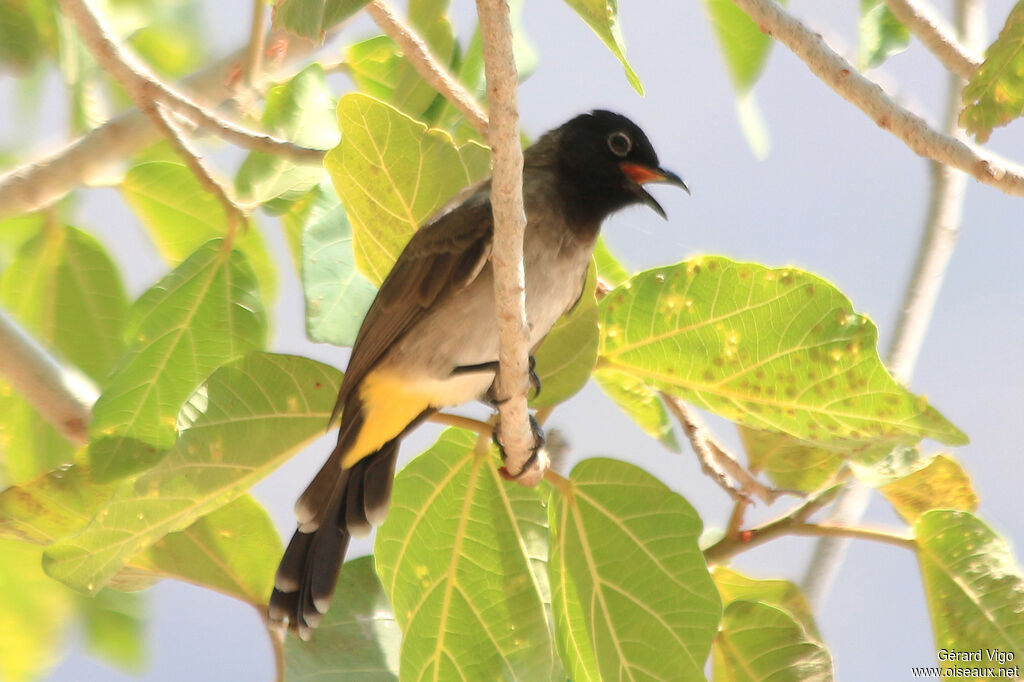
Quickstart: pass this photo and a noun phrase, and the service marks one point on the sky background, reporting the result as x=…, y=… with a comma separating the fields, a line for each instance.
x=836, y=195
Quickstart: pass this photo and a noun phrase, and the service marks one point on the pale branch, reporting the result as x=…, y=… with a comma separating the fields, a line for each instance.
x=942, y=226
x=39, y=183
x=427, y=66
x=934, y=34
x=457, y=420
x=257, y=42
x=135, y=77
x=869, y=97
x=63, y=397
x=513, y=382
x=891, y=537
x=714, y=459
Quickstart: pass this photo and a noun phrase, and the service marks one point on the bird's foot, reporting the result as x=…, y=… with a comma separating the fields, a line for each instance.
x=493, y=399
x=537, y=459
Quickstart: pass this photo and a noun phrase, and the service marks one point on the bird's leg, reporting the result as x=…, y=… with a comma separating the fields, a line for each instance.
x=538, y=444
x=492, y=366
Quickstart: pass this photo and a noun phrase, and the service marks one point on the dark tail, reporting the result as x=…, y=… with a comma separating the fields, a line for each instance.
x=337, y=504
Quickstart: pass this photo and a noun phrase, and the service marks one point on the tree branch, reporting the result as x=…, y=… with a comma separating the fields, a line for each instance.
x=941, y=229
x=714, y=459
x=866, y=95
x=257, y=42
x=63, y=397
x=934, y=34
x=461, y=422
x=433, y=72
x=507, y=256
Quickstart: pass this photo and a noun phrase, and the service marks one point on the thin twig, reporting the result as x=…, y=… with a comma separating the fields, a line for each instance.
x=942, y=226
x=891, y=537
x=714, y=459
x=257, y=42
x=433, y=72
x=134, y=76
x=866, y=95
x=934, y=34
x=63, y=397
x=461, y=422
x=507, y=256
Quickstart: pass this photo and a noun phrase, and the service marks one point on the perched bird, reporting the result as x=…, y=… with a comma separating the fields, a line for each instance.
x=430, y=338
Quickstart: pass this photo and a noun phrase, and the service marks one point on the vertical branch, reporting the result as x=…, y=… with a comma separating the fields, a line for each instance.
x=509, y=227
x=941, y=229
x=257, y=42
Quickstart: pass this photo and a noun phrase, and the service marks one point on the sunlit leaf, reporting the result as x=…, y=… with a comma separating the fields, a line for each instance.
x=301, y=111
x=609, y=269
x=631, y=592
x=777, y=349
x=763, y=642
x=337, y=294
x=938, y=483
x=566, y=357
x=170, y=50
x=641, y=403
x=312, y=18
x=454, y=565
x=258, y=412
x=603, y=17
x=392, y=173
x=52, y=506
x=113, y=626
x=200, y=316
x=789, y=462
x=973, y=585
x=181, y=216
x=357, y=639
x=995, y=94
x=881, y=34
x=782, y=594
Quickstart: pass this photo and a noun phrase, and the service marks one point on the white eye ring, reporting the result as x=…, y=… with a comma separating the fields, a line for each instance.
x=619, y=143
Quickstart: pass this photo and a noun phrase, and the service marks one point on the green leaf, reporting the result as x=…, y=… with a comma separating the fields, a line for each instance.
x=15, y=232
x=609, y=269
x=337, y=294
x=603, y=17
x=452, y=559
x=762, y=642
x=294, y=220
x=301, y=111
x=567, y=355
x=113, y=624
x=995, y=94
x=181, y=216
x=631, y=592
x=374, y=64
x=782, y=594
x=392, y=173
x=776, y=349
x=203, y=314
x=52, y=506
x=790, y=463
x=744, y=45
x=973, y=585
x=66, y=292
x=357, y=639
x=34, y=614
x=171, y=51
x=312, y=18
x=254, y=414
x=881, y=34
x=20, y=44
x=639, y=402
x=937, y=483
x=234, y=550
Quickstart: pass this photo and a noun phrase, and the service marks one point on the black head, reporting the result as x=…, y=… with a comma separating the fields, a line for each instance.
x=604, y=159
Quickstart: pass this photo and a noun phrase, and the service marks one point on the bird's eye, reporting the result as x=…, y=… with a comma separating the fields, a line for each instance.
x=619, y=143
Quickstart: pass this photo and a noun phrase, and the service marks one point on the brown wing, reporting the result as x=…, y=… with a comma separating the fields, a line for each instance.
x=444, y=255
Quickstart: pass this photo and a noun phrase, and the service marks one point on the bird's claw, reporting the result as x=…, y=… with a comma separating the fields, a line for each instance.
x=538, y=445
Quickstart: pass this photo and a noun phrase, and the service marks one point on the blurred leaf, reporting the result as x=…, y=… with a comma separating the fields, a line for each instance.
x=357, y=639
x=938, y=483
x=265, y=406
x=312, y=18
x=301, y=111
x=181, y=216
x=20, y=44
x=762, y=642
x=34, y=614
x=609, y=269
x=295, y=218
x=776, y=349
x=234, y=550
x=373, y=64
x=782, y=594
x=14, y=233
x=337, y=294
x=113, y=624
x=66, y=292
x=790, y=463
x=452, y=560
x=567, y=354
x=881, y=34
x=893, y=465
x=392, y=173
x=639, y=402
x=203, y=314
x=995, y=95
x=603, y=17
x=169, y=49
x=973, y=585
x=52, y=506
x=631, y=592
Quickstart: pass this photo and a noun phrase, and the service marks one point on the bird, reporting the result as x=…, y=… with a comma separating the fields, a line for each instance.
x=430, y=340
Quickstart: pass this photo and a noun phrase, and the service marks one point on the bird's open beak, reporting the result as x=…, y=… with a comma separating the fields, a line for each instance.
x=641, y=175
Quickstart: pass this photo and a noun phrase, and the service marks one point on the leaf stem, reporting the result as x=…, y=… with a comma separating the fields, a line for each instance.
x=461, y=422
